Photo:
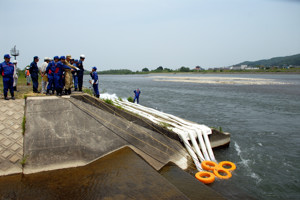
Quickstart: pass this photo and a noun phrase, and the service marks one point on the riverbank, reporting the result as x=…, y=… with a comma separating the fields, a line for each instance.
x=215, y=71
x=88, y=146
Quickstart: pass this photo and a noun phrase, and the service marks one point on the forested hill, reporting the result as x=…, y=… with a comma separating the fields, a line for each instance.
x=277, y=61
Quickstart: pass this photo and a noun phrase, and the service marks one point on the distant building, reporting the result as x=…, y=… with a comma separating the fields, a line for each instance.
x=252, y=68
x=238, y=67
x=198, y=68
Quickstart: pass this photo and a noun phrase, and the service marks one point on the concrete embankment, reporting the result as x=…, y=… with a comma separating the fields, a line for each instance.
x=85, y=147
x=67, y=132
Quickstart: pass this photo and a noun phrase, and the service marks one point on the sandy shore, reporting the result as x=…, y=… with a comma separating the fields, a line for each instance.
x=220, y=80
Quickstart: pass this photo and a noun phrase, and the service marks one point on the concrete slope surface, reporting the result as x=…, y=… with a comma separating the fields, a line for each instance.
x=66, y=132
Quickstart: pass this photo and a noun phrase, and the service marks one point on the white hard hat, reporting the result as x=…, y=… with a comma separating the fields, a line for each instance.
x=15, y=61
x=82, y=56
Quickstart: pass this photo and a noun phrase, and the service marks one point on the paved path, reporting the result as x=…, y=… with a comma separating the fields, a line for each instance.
x=11, y=138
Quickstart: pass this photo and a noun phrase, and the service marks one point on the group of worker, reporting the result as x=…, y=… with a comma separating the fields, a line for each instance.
x=57, y=75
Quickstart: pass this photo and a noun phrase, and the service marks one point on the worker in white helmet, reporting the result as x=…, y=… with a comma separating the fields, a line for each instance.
x=15, y=75
x=44, y=75
x=80, y=72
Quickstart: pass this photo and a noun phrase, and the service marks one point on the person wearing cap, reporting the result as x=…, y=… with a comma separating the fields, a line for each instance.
x=50, y=70
x=27, y=75
x=137, y=93
x=15, y=75
x=80, y=72
x=94, y=81
x=74, y=73
x=7, y=71
x=44, y=75
x=34, y=72
x=68, y=74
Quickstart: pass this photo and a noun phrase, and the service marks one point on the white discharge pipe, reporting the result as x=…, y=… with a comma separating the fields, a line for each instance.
x=186, y=130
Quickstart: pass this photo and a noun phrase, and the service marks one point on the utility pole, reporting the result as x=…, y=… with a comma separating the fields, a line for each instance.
x=14, y=52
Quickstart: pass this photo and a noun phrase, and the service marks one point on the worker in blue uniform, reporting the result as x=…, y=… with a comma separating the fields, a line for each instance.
x=34, y=72
x=137, y=93
x=80, y=72
x=58, y=73
x=7, y=71
x=94, y=81
x=50, y=71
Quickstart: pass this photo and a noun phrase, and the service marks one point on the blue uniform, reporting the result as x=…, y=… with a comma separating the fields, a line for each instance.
x=34, y=72
x=50, y=71
x=94, y=76
x=7, y=71
x=136, y=96
x=80, y=73
x=55, y=70
x=58, y=80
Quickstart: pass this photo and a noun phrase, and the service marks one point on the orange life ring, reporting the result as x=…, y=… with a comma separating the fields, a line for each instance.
x=208, y=165
x=227, y=163
x=217, y=171
x=205, y=177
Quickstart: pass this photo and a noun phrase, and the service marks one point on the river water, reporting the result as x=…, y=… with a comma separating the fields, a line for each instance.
x=261, y=111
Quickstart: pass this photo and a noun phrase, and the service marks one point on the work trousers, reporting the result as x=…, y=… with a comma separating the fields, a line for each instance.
x=68, y=79
x=35, y=82
x=75, y=78
x=80, y=81
x=96, y=90
x=136, y=98
x=8, y=83
x=51, y=85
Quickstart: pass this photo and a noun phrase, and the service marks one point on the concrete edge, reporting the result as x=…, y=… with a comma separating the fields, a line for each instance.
x=182, y=163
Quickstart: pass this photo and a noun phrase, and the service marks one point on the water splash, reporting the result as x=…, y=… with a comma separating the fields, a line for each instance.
x=245, y=162
x=111, y=96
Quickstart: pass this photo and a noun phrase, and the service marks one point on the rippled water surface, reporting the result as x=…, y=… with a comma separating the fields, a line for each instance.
x=262, y=113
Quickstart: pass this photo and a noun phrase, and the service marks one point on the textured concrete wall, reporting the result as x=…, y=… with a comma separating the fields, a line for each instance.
x=66, y=132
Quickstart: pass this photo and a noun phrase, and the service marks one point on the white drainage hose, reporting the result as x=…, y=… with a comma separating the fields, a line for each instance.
x=185, y=130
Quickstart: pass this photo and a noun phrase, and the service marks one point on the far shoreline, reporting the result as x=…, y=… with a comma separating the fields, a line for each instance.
x=202, y=73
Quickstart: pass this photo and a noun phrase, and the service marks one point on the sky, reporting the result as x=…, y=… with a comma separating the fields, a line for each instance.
x=134, y=34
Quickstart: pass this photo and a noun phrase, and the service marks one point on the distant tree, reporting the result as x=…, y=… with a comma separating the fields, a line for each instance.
x=117, y=71
x=160, y=68
x=168, y=70
x=184, y=69
x=145, y=69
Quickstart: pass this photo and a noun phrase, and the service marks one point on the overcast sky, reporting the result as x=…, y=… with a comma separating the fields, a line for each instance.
x=133, y=34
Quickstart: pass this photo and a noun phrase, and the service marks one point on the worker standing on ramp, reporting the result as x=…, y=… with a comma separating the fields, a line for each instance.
x=94, y=81
x=137, y=93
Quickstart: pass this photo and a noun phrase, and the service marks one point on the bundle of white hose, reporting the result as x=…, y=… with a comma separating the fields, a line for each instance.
x=180, y=126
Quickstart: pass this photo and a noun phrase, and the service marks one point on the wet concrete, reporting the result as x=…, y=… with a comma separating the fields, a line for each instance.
x=120, y=175
x=188, y=184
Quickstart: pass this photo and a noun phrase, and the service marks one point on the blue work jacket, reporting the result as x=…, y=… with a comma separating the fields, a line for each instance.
x=95, y=77
x=34, y=70
x=7, y=69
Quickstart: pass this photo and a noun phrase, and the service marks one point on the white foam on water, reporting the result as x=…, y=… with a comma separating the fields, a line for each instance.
x=260, y=144
x=245, y=163
x=237, y=148
x=111, y=96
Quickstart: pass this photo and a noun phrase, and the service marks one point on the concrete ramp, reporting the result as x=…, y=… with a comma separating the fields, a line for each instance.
x=67, y=132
